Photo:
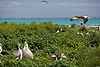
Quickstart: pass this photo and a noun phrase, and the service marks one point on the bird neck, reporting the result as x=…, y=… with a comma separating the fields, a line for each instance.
x=18, y=48
x=26, y=47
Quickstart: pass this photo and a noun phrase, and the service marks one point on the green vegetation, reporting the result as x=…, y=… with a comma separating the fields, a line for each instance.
x=80, y=48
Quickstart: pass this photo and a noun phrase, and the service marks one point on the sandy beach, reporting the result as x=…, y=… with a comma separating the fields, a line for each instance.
x=84, y=25
x=92, y=26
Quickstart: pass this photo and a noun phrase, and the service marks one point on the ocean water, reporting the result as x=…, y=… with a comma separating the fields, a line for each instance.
x=60, y=21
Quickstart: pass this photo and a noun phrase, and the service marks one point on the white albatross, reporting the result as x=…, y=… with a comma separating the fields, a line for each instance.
x=54, y=57
x=18, y=52
x=26, y=51
x=0, y=48
x=57, y=31
x=62, y=56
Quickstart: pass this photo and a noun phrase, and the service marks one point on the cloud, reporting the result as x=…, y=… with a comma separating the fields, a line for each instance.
x=80, y=4
x=9, y=4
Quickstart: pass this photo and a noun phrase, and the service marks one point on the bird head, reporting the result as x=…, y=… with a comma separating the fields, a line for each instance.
x=25, y=44
x=17, y=46
x=62, y=54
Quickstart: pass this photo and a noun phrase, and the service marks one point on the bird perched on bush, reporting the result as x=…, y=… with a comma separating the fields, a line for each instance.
x=2, y=53
x=54, y=57
x=58, y=58
x=62, y=56
x=0, y=48
x=57, y=31
x=26, y=51
x=18, y=52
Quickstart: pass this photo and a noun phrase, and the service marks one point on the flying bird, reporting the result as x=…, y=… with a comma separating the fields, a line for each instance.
x=26, y=51
x=18, y=52
x=45, y=1
x=84, y=18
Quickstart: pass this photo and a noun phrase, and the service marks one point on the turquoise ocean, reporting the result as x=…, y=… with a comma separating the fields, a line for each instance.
x=59, y=21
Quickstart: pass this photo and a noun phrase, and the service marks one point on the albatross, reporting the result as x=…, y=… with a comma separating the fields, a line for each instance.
x=18, y=52
x=2, y=53
x=0, y=48
x=26, y=51
x=84, y=18
x=45, y=1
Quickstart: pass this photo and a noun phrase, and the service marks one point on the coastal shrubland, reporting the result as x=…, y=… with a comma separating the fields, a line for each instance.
x=78, y=43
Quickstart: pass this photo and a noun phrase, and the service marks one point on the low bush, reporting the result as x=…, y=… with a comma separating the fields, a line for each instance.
x=76, y=47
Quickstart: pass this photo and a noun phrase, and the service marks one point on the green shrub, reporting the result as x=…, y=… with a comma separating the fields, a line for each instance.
x=83, y=28
x=73, y=25
x=75, y=47
x=90, y=58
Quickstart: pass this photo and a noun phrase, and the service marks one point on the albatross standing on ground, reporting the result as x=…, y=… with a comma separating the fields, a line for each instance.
x=26, y=51
x=18, y=52
x=0, y=51
x=0, y=48
x=4, y=52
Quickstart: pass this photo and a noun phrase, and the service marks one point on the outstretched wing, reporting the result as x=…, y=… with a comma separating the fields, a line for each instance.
x=45, y=1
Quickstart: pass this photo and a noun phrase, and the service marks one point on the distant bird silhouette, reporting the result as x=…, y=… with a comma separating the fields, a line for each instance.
x=45, y=1
x=85, y=18
x=18, y=52
x=26, y=51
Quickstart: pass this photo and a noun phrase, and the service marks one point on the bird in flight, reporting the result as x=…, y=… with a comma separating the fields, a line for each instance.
x=84, y=18
x=45, y=1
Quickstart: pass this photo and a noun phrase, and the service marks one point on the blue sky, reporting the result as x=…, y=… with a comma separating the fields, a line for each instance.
x=55, y=8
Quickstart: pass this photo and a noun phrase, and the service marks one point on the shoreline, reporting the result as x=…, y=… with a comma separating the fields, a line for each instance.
x=93, y=26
